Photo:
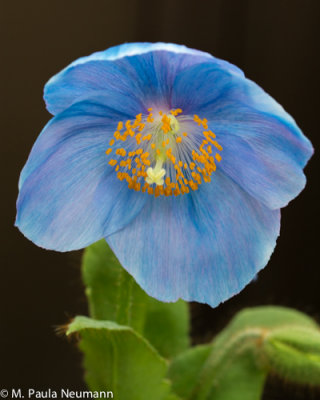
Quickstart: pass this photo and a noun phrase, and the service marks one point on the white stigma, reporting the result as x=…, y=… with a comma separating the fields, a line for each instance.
x=156, y=174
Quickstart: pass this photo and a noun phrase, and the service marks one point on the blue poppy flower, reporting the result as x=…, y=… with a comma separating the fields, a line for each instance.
x=174, y=157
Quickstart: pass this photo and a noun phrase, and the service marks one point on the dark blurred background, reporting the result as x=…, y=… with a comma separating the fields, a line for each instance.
x=276, y=43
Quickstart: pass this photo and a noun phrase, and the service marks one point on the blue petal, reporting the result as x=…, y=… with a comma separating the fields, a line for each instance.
x=69, y=196
x=263, y=148
x=100, y=110
x=204, y=247
x=131, y=68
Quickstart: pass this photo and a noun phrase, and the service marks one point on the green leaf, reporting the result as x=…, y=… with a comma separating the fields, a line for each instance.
x=235, y=377
x=238, y=361
x=266, y=317
x=185, y=369
x=172, y=396
x=248, y=327
x=118, y=359
x=238, y=376
x=114, y=295
x=294, y=354
x=232, y=356
x=166, y=326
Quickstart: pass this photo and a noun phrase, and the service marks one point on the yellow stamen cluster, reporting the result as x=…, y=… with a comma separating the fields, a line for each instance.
x=150, y=163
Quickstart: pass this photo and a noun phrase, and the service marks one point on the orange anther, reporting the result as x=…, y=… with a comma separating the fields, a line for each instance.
x=201, y=169
x=157, y=191
x=215, y=143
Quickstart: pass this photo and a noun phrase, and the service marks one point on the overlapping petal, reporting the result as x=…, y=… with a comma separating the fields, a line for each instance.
x=100, y=109
x=143, y=70
x=264, y=149
x=69, y=196
x=204, y=247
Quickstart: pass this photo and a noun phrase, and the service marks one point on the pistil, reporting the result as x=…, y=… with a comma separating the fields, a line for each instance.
x=156, y=174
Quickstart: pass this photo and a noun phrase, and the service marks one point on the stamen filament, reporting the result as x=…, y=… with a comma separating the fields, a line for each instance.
x=159, y=151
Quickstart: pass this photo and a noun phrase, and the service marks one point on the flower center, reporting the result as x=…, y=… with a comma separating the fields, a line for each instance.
x=156, y=155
